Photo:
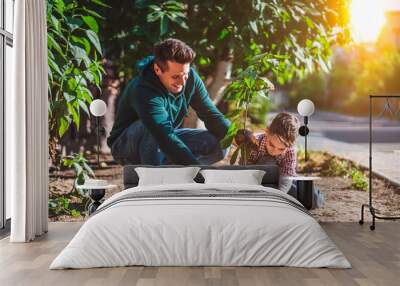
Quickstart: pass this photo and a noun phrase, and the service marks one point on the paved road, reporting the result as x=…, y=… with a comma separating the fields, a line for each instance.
x=348, y=137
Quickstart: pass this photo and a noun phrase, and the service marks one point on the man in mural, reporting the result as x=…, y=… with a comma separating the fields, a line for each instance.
x=152, y=108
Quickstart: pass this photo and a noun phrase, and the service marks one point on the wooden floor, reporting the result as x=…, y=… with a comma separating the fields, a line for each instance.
x=375, y=257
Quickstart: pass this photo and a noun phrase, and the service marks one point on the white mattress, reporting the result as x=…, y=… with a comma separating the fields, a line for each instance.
x=190, y=230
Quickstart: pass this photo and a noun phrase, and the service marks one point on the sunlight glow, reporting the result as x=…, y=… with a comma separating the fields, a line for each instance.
x=367, y=19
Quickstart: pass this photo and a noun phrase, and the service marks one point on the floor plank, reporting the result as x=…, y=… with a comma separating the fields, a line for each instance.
x=375, y=257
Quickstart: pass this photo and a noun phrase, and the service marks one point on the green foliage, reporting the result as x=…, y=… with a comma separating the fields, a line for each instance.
x=293, y=40
x=81, y=167
x=338, y=167
x=74, y=53
x=258, y=110
x=296, y=34
x=132, y=28
x=359, y=180
x=247, y=87
x=164, y=12
x=230, y=135
x=344, y=168
x=61, y=205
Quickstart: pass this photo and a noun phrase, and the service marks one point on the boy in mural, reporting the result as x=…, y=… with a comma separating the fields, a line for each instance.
x=152, y=108
x=276, y=145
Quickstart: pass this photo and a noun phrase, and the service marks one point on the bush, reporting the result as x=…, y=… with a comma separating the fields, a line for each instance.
x=359, y=180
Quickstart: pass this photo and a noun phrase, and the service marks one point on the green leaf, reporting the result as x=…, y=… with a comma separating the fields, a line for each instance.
x=78, y=168
x=78, y=53
x=223, y=34
x=309, y=22
x=253, y=26
x=87, y=96
x=232, y=130
x=74, y=23
x=154, y=16
x=50, y=76
x=101, y=3
x=83, y=42
x=52, y=204
x=88, y=169
x=72, y=84
x=67, y=162
x=75, y=213
x=89, y=75
x=68, y=97
x=95, y=40
x=55, y=22
x=181, y=22
x=75, y=114
x=153, y=7
x=83, y=105
x=203, y=61
x=52, y=43
x=65, y=202
x=60, y=6
x=249, y=82
x=163, y=26
x=63, y=126
x=53, y=66
x=230, y=134
x=93, y=13
x=91, y=22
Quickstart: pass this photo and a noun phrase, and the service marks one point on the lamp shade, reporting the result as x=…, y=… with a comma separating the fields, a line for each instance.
x=305, y=107
x=98, y=107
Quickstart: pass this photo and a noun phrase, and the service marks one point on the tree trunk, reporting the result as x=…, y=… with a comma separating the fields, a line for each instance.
x=111, y=89
x=220, y=81
x=110, y=96
x=216, y=87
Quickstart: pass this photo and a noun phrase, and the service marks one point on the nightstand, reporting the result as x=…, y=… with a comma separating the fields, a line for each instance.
x=97, y=190
x=304, y=192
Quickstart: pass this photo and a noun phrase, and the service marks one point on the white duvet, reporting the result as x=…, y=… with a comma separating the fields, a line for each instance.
x=183, y=231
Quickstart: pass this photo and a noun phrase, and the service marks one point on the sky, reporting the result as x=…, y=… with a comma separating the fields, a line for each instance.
x=368, y=17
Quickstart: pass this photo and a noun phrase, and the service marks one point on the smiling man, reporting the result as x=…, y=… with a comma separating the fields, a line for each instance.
x=152, y=108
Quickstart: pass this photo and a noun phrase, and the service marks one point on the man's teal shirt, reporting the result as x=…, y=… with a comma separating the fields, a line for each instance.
x=145, y=98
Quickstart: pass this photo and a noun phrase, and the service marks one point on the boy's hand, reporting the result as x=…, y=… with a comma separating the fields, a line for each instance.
x=246, y=136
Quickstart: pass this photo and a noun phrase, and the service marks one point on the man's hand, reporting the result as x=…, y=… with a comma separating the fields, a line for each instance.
x=246, y=136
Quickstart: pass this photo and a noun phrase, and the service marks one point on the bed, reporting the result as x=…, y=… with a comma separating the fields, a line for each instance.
x=201, y=224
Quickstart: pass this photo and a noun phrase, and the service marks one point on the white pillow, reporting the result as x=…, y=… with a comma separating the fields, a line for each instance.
x=248, y=177
x=163, y=176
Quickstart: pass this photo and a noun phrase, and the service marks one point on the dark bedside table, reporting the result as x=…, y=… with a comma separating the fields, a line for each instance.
x=304, y=192
x=96, y=193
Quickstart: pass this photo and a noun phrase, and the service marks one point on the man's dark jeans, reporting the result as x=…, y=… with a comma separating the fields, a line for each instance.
x=136, y=145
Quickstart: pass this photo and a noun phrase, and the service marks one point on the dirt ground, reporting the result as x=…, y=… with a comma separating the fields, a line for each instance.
x=343, y=202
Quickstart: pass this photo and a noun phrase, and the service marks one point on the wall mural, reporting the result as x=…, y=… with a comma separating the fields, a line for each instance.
x=269, y=86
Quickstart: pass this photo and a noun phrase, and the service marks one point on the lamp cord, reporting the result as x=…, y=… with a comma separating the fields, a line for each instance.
x=98, y=141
